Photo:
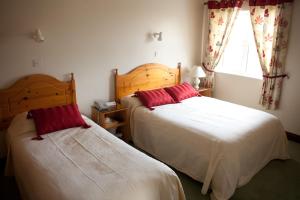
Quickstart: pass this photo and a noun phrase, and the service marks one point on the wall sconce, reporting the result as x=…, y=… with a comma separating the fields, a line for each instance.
x=38, y=36
x=158, y=36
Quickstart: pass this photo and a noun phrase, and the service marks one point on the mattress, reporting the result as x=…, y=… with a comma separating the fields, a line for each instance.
x=218, y=143
x=81, y=163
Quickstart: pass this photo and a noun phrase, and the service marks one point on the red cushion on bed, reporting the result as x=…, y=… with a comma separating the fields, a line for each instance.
x=181, y=92
x=152, y=98
x=57, y=118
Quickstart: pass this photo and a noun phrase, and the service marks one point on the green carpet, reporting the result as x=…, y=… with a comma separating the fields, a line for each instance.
x=279, y=180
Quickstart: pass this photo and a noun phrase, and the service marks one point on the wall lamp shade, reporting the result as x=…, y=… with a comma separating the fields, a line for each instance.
x=158, y=36
x=38, y=36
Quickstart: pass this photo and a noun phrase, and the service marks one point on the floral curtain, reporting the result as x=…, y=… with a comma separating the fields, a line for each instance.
x=271, y=21
x=221, y=17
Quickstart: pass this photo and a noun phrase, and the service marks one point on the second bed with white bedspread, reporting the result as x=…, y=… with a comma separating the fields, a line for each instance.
x=218, y=143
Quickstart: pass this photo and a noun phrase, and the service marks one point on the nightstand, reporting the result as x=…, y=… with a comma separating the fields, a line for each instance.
x=113, y=118
x=205, y=92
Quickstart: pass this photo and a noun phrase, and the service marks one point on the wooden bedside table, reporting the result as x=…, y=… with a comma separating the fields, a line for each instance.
x=205, y=92
x=113, y=118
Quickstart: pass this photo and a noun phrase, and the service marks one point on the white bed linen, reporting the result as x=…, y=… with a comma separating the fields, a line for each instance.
x=218, y=143
x=85, y=164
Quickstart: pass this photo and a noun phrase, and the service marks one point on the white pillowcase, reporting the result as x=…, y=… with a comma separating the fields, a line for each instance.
x=20, y=125
x=131, y=102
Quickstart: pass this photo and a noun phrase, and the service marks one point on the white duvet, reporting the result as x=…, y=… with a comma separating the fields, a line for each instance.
x=218, y=143
x=85, y=164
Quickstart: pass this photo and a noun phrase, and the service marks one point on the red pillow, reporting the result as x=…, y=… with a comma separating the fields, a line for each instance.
x=57, y=118
x=152, y=98
x=181, y=92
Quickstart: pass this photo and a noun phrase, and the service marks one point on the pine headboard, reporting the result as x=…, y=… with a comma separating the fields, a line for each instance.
x=34, y=91
x=146, y=77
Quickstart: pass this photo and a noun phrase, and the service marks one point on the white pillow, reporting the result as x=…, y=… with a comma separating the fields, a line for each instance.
x=131, y=102
x=20, y=125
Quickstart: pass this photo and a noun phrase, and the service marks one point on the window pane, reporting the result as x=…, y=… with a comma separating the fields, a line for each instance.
x=240, y=55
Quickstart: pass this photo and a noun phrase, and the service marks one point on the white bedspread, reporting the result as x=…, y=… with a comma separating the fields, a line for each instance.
x=86, y=164
x=218, y=143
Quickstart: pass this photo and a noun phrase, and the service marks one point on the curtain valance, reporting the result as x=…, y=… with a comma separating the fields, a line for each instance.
x=224, y=4
x=267, y=2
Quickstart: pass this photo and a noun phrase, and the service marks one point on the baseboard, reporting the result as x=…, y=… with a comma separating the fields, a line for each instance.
x=292, y=136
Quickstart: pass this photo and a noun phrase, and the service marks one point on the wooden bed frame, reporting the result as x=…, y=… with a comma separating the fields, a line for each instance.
x=34, y=91
x=146, y=77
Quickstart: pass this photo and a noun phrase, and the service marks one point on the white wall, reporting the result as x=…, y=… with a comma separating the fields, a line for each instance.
x=91, y=37
x=246, y=91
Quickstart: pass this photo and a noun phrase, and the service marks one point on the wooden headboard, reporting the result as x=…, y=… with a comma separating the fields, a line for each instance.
x=34, y=91
x=146, y=77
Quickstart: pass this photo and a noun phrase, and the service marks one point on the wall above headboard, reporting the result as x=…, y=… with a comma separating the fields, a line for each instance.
x=91, y=38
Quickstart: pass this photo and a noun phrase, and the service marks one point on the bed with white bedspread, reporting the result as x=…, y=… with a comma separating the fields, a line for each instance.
x=218, y=143
x=81, y=163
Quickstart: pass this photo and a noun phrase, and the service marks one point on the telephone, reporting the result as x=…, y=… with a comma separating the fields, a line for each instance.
x=103, y=105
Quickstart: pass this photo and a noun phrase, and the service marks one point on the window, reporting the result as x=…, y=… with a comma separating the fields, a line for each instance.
x=240, y=56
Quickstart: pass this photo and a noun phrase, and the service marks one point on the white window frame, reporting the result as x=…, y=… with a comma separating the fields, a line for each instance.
x=242, y=69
